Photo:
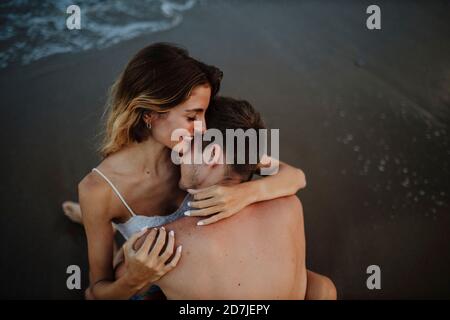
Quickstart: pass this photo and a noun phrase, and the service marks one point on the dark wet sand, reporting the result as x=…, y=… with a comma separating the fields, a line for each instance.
x=363, y=113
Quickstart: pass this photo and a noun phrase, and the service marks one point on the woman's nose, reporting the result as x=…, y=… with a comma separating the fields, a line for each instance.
x=201, y=128
x=203, y=125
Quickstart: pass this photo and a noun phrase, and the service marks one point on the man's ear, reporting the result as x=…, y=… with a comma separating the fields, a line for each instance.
x=265, y=161
x=213, y=154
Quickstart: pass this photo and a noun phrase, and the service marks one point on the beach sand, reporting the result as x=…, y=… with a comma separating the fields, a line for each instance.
x=363, y=113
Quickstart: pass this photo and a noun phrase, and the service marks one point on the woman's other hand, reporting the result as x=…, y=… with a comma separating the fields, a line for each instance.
x=148, y=262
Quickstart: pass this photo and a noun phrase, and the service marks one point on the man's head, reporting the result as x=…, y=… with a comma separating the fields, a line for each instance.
x=225, y=113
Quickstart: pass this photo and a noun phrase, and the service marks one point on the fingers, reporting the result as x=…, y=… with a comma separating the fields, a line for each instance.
x=159, y=244
x=213, y=219
x=118, y=258
x=204, y=203
x=194, y=191
x=202, y=194
x=145, y=248
x=204, y=212
x=173, y=263
x=128, y=245
x=159, y=240
x=168, y=251
x=138, y=243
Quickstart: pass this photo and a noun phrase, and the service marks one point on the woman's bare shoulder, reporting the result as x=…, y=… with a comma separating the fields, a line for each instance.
x=94, y=192
x=93, y=182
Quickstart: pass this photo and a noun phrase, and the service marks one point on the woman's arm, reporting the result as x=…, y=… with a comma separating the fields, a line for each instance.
x=286, y=182
x=143, y=266
x=224, y=201
x=100, y=237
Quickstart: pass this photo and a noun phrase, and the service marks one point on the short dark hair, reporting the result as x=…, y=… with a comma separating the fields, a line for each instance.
x=228, y=113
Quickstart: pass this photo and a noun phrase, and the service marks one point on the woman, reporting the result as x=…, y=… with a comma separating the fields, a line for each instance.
x=161, y=89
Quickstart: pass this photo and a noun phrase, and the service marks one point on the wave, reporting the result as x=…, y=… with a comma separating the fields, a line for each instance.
x=36, y=29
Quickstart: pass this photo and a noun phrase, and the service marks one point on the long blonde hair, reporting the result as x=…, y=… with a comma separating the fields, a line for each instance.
x=157, y=78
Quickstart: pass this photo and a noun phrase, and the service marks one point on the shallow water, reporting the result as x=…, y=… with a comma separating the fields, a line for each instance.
x=32, y=30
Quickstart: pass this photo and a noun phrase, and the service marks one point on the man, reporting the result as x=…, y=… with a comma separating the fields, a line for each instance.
x=258, y=253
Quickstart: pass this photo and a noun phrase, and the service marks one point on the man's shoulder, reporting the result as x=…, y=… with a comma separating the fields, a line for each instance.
x=285, y=208
x=289, y=202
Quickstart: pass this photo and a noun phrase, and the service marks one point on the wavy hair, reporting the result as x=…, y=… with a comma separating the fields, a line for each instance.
x=158, y=78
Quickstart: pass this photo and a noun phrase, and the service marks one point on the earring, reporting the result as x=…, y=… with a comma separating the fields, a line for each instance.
x=149, y=125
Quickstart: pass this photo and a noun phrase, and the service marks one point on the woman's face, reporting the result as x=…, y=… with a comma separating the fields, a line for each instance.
x=182, y=116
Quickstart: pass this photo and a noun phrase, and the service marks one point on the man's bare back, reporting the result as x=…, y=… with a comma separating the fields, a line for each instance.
x=258, y=253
